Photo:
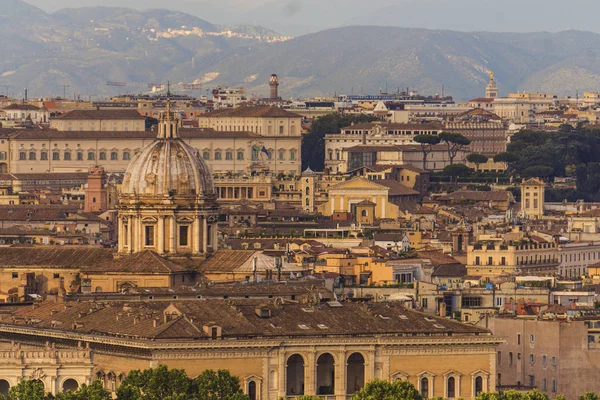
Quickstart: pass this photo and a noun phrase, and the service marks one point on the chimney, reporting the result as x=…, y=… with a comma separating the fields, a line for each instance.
x=274, y=84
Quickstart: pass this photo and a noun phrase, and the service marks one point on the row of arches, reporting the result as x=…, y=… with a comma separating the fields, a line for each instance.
x=325, y=375
x=68, y=385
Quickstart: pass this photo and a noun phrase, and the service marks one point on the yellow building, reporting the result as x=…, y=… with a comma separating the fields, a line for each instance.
x=277, y=348
x=532, y=198
x=345, y=196
x=529, y=257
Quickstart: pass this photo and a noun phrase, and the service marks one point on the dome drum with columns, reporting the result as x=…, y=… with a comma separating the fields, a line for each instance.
x=167, y=201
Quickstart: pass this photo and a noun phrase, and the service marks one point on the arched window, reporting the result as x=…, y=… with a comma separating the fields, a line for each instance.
x=355, y=373
x=308, y=191
x=424, y=383
x=252, y=390
x=308, y=202
x=364, y=213
x=478, y=385
x=4, y=387
x=70, y=385
x=451, y=387
x=295, y=376
x=325, y=375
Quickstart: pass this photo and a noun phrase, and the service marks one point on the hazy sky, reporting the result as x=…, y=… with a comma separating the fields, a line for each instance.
x=297, y=17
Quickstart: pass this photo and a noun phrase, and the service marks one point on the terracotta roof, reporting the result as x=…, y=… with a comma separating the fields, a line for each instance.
x=474, y=195
x=44, y=213
x=250, y=112
x=450, y=271
x=242, y=261
x=482, y=100
x=16, y=106
x=184, y=133
x=185, y=320
x=437, y=257
x=101, y=114
x=139, y=263
x=48, y=257
x=396, y=188
x=394, y=126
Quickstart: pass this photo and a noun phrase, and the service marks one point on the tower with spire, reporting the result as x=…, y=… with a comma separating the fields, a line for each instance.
x=491, y=89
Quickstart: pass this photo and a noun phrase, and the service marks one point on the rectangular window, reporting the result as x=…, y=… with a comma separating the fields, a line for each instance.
x=510, y=358
x=490, y=261
x=43, y=156
x=424, y=302
x=55, y=156
x=15, y=275
x=240, y=155
x=114, y=155
x=477, y=261
x=281, y=130
x=56, y=276
x=22, y=155
x=499, y=358
x=518, y=338
x=79, y=156
x=532, y=338
x=183, y=235
x=471, y=302
x=229, y=155
x=149, y=235
x=102, y=155
x=532, y=358
x=91, y=156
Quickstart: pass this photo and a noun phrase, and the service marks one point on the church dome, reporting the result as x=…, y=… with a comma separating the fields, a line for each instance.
x=168, y=166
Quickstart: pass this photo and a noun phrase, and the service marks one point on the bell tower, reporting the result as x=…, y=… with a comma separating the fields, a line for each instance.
x=491, y=90
x=274, y=85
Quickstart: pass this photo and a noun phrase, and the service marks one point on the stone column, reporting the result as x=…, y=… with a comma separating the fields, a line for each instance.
x=196, y=235
x=310, y=372
x=282, y=374
x=340, y=376
x=129, y=234
x=173, y=235
x=161, y=235
x=140, y=236
x=215, y=237
x=120, y=235
x=204, y=235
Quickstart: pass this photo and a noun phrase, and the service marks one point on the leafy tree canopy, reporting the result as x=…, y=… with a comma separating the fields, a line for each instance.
x=427, y=139
x=379, y=389
x=457, y=170
x=313, y=144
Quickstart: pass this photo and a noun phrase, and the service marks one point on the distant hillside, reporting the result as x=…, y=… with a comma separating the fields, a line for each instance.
x=84, y=48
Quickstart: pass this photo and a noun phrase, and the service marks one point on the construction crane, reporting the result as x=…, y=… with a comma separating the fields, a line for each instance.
x=156, y=87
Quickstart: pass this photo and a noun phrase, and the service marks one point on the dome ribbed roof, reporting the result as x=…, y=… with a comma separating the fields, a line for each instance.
x=168, y=167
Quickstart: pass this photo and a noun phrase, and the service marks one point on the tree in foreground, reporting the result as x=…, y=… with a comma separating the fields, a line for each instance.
x=28, y=390
x=455, y=142
x=456, y=170
x=589, y=396
x=217, y=385
x=163, y=384
x=379, y=389
x=94, y=391
x=477, y=159
x=427, y=142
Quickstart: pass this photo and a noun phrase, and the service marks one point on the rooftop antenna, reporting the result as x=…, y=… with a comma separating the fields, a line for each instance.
x=25, y=94
x=65, y=91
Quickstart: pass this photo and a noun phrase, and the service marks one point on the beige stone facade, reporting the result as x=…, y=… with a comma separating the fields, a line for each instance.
x=552, y=356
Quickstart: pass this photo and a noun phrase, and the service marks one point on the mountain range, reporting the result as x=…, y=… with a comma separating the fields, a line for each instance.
x=76, y=51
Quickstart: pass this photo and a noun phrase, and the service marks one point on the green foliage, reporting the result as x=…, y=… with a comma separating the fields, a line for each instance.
x=488, y=396
x=29, y=390
x=163, y=384
x=454, y=143
x=455, y=170
x=506, y=157
x=379, y=389
x=217, y=385
x=477, y=159
x=560, y=397
x=589, y=396
x=95, y=391
x=308, y=398
x=313, y=144
x=426, y=142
